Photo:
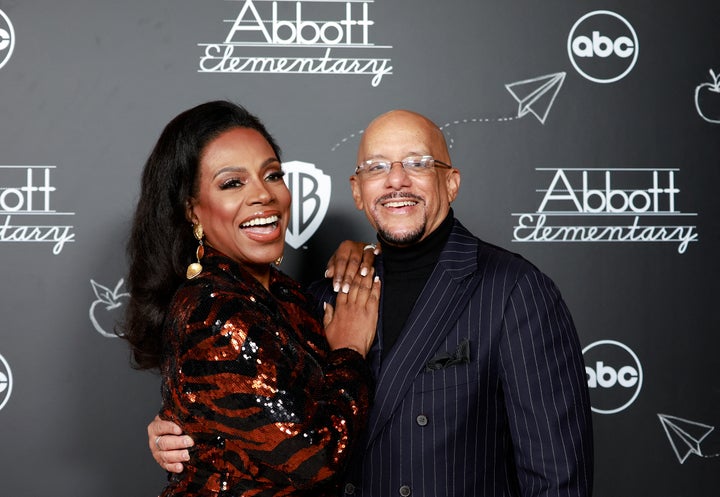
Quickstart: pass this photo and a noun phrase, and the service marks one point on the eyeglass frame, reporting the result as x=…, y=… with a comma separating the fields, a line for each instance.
x=436, y=163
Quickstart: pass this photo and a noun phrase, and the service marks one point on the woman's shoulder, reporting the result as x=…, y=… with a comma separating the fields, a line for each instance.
x=290, y=290
x=205, y=295
x=205, y=286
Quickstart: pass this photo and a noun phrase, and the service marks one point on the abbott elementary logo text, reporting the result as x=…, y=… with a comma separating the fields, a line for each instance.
x=321, y=37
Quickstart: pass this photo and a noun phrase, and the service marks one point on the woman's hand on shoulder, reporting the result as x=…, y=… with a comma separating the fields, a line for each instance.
x=352, y=322
x=349, y=259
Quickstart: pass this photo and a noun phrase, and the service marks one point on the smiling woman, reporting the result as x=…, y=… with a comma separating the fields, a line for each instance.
x=273, y=403
x=241, y=201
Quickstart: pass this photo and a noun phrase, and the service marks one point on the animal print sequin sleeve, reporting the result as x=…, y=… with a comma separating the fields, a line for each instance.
x=249, y=378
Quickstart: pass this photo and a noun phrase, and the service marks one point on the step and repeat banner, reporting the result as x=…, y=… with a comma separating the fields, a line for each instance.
x=588, y=138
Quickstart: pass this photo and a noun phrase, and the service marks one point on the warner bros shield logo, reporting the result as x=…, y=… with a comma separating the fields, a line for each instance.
x=310, y=189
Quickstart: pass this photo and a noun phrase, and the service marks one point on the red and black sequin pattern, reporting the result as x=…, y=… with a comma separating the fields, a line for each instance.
x=248, y=375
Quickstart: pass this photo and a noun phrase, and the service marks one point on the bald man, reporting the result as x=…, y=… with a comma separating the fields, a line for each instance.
x=481, y=386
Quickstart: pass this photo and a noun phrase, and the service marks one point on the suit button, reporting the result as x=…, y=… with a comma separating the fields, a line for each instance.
x=405, y=491
x=422, y=420
x=349, y=489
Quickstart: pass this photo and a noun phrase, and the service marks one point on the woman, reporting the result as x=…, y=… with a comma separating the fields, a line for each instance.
x=273, y=404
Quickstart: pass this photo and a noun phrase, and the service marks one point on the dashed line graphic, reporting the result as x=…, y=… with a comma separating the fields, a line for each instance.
x=472, y=120
x=345, y=140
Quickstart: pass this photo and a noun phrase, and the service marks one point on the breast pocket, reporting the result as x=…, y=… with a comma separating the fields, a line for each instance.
x=448, y=369
x=450, y=377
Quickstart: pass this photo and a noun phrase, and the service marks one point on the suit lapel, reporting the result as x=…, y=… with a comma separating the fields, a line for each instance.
x=441, y=301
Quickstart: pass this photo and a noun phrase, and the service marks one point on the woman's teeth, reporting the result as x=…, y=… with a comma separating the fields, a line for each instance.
x=260, y=221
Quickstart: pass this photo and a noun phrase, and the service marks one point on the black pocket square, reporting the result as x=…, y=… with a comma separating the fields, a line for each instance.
x=447, y=359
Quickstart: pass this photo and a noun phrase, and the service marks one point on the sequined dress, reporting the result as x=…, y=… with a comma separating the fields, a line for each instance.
x=248, y=375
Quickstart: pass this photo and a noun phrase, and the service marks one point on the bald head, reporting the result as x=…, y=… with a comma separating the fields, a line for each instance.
x=404, y=206
x=405, y=133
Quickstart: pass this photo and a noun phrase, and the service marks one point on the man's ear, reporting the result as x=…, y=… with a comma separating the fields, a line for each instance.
x=453, y=184
x=356, y=191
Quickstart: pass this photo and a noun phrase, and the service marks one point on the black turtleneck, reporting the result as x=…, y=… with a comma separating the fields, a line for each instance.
x=406, y=269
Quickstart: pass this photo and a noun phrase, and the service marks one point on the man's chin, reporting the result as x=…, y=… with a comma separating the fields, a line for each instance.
x=402, y=237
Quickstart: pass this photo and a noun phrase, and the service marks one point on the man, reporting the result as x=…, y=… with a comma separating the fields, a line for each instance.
x=481, y=387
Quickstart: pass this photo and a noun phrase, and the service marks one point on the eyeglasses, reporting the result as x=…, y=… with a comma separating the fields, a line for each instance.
x=415, y=165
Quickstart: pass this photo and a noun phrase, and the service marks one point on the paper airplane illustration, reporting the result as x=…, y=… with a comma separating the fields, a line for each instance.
x=536, y=95
x=685, y=436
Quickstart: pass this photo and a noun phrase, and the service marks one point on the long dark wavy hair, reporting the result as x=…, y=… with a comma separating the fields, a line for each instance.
x=161, y=243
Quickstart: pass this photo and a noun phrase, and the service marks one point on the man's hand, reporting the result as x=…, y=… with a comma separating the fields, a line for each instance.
x=349, y=258
x=168, y=445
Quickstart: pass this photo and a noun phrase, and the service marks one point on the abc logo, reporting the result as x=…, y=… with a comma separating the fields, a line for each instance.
x=614, y=376
x=603, y=46
x=7, y=38
x=5, y=382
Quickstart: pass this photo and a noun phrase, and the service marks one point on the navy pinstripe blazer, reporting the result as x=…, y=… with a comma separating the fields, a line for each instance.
x=484, y=393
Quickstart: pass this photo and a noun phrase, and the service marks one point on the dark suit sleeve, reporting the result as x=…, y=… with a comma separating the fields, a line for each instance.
x=547, y=402
x=321, y=291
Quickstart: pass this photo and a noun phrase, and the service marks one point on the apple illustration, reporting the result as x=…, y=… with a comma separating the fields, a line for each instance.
x=106, y=310
x=707, y=99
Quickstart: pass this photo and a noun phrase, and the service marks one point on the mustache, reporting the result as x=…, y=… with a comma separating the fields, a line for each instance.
x=399, y=195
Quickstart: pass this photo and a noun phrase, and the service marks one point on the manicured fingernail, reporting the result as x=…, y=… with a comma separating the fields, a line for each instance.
x=364, y=271
x=324, y=305
x=336, y=287
x=346, y=288
x=376, y=279
x=326, y=272
x=186, y=456
x=188, y=442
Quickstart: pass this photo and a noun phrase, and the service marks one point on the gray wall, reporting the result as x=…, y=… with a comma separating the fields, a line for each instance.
x=86, y=87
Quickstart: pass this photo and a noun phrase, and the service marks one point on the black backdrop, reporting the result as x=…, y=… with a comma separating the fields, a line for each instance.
x=551, y=108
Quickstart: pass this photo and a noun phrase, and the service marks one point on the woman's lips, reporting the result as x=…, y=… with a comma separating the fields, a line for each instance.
x=262, y=228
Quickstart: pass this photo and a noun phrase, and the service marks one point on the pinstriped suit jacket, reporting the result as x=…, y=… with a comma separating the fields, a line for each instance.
x=511, y=417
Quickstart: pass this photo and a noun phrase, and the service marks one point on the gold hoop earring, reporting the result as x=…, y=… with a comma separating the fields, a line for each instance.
x=196, y=268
